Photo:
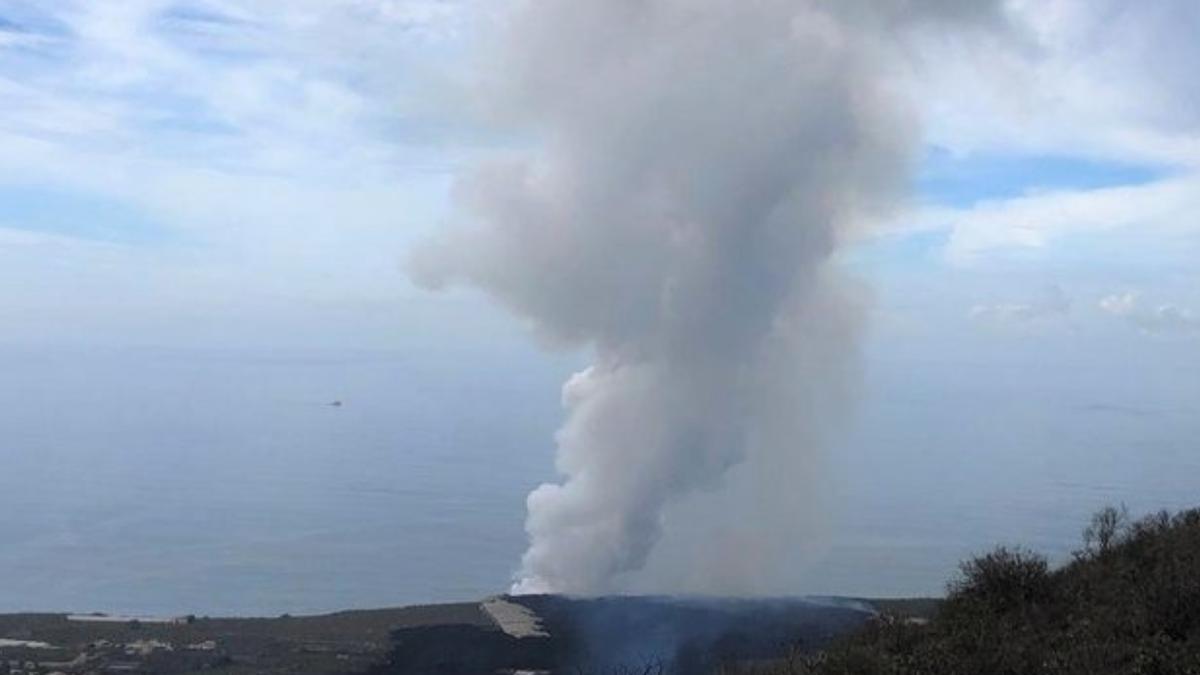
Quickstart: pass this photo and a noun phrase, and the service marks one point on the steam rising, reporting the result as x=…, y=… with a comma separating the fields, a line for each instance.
x=699, y=163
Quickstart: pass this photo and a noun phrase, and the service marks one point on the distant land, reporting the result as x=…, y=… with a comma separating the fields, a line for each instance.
x=501, y=634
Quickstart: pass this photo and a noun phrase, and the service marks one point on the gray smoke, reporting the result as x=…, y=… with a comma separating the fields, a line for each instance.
x=698, y=163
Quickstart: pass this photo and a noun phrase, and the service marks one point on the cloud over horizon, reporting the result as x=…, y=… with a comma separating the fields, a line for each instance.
x=276, y=150
x=1161, y=320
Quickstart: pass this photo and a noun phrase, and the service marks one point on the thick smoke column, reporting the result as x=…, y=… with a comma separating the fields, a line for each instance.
x=699, y=162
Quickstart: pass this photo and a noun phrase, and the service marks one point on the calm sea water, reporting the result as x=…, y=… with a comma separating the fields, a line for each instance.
x=224, y=482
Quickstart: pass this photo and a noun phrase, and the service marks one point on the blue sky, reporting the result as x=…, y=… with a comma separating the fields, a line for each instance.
x=169, y=163
x=963, y=181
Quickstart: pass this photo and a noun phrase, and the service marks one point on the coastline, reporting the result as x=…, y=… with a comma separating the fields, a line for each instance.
x=533, y=629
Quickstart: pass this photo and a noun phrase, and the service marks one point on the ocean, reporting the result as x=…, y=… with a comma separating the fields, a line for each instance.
x=226, y=482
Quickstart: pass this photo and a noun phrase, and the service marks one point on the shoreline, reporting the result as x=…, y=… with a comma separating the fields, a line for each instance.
x=500, y=629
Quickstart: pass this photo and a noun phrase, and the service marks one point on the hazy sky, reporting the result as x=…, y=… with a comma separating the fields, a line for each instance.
x=198, y=178
x=252, y=173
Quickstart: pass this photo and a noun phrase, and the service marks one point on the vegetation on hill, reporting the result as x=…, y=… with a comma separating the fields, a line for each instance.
x=1128, y=603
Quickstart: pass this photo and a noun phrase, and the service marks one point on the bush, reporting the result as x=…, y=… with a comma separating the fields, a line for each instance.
x=1129, y=603
x=1004, y=580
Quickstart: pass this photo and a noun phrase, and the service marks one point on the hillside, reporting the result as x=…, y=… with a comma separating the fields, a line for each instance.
x=1128, y=603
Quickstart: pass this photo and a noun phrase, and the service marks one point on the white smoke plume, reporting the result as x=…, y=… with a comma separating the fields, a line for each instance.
x=698, y=163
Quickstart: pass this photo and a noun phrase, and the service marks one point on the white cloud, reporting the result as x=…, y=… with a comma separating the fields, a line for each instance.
x=1053, y=305
x=12, y=239
x=285, y=147
x=1092, y=78
x=1161, y=209
x=1107, y=81
x=318, y=92
x=1163, y=320
x=293, y=88
x=1120, y=304
x=297, y=144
